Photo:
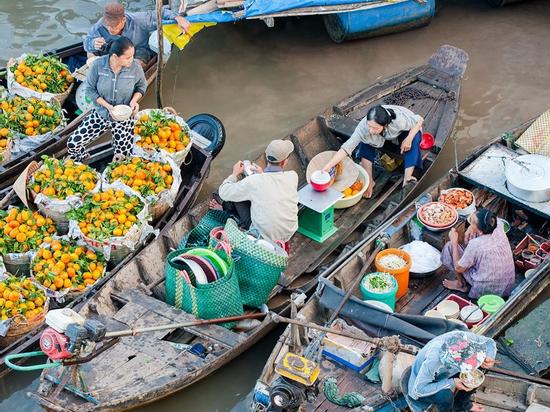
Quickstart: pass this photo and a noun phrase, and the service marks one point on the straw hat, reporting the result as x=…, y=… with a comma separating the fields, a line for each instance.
x=346, y=174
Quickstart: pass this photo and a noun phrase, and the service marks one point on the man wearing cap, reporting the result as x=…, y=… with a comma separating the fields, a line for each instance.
x=272, y=193
x=136, y=26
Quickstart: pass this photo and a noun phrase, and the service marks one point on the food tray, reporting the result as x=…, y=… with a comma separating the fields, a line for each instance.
x=462, y=303
x=520, y=263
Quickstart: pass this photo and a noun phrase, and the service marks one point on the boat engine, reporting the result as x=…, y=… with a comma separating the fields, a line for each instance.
x=296, y=384
x=68, y=333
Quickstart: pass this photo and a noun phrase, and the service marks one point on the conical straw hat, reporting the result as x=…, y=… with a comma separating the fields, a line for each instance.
x=346, y=171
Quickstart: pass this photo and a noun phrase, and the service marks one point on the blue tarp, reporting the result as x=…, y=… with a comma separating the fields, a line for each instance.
x=253, y=8
x=259, y=7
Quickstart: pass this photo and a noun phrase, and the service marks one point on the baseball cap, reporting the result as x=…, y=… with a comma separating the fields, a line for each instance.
x=278, y=150
x=113, y=13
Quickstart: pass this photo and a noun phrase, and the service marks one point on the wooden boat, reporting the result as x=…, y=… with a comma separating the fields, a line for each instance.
x=139, y=370
x=10, y=170
x=424, y=292
x=194, y=174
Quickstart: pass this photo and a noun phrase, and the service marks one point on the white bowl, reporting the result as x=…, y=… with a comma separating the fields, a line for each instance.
x=121, y=112
x=353, y=200
x=529, y=272
x=432, y=313
x=320, y=177
x=471, y=314
x=380, y=305
x=448, y=308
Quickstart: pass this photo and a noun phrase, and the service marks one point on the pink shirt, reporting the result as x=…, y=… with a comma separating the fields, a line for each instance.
x=490, y=264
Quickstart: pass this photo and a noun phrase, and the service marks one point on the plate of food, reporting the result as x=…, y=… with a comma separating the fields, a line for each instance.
x=461, y=199
x=437, y=215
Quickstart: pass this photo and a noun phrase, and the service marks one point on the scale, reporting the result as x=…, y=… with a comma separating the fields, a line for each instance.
x=316, y=219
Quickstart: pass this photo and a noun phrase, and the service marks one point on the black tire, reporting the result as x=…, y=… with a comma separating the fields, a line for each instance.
x=210, y=127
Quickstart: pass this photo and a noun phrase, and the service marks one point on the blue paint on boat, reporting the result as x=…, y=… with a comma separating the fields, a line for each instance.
x=387, y=18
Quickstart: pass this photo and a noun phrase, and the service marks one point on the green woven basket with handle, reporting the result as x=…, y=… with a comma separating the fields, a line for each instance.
x=217, y=299
x=257, y=268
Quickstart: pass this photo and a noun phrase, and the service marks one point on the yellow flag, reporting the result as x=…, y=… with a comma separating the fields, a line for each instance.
x=175, y=35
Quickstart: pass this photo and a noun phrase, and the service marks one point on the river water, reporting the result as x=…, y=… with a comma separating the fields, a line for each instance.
x=263, y=83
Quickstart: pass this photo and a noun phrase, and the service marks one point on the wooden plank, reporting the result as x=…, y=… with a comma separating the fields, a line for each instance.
x=130, y=313
x=216, y=333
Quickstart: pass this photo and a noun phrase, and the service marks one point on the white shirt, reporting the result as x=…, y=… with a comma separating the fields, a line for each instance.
x=404, y=120
x=274, y=201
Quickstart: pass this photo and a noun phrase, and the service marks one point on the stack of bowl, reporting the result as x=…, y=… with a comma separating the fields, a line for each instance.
x=449, y=309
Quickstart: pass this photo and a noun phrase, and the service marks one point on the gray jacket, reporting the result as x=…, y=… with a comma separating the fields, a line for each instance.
x=114, y=88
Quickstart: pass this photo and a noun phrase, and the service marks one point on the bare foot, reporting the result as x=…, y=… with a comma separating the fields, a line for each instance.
x=476, y=407
x=368, y=192
x=214, y=205
x=455, y=285
x=413, y=180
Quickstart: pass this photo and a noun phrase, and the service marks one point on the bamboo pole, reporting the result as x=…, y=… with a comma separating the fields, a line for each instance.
x=135, y=331
x=160, y=53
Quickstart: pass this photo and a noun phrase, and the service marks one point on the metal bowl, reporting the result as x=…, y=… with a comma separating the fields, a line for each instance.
x=528, y=177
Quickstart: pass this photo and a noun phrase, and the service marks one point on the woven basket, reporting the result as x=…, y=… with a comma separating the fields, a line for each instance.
x=18, y=264
x=258, y=268
x=158, y=209
x=5, y=155
x=217, y=299
x=21, y=326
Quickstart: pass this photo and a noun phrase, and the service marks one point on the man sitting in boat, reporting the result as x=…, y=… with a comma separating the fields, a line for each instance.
x=266, y=200
x=384, y=125
x=485, y=264
x=136, y=26
x=435, y=372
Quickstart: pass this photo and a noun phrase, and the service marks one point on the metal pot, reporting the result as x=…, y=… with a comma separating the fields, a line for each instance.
x=528, y=177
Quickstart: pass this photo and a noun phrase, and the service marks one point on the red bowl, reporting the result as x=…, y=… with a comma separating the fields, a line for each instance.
x=427, y=142
x=320, y=181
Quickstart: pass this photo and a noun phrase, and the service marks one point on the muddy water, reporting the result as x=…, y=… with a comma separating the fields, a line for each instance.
x=263, y=83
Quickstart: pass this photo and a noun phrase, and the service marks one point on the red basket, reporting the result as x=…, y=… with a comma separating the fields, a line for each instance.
x=464, y=302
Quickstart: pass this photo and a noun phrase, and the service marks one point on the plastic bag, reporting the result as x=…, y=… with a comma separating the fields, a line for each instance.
x=424, y=257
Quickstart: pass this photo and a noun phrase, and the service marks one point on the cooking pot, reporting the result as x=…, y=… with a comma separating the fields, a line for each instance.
x=528, y=177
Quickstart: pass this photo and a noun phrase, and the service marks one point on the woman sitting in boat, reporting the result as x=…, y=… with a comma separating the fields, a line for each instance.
x=485, y=264
x=435, y=372
x=115, y=79
x=385, y=125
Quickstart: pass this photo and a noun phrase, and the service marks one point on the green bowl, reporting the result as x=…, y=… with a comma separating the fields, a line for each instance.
x=212, y=256
x=490, y=303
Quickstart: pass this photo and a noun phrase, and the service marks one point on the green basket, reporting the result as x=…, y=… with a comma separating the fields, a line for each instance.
x=257, y=268
x=213, y=300
x=200, y=234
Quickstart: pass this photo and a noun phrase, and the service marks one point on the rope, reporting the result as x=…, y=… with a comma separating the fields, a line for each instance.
x=349, y=400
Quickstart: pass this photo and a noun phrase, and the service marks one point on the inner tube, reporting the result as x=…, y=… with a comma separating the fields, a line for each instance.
x=211, y=128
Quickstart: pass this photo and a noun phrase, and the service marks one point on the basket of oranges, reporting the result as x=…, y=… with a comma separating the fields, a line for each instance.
x=65, y=268
x=163, y=131
x=21, y=232
x=23, y=307
x=30, y=121
x=112, y=221
x=58, y=186
x=157, y=181
x=44, y=77
x=6, y=144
